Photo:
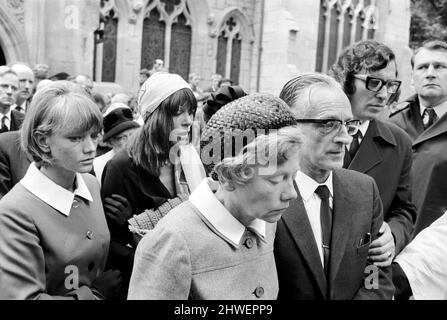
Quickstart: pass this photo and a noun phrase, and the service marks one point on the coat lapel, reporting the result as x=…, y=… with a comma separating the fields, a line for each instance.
x=341, y=225
x=438, y=128
x=368, y=155
x=296, y=220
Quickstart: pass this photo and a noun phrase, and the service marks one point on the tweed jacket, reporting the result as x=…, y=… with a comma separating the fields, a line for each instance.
x=357, y=217
x=45, y=254
x=186, y=257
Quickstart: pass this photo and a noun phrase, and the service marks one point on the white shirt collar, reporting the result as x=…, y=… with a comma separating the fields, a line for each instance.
x=51, y=193
x=440, y=109
x=213, y=210
x=364, y=127
x=307, y=186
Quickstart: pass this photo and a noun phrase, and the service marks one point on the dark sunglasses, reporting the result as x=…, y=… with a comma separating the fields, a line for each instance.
x=329, y=125
x=376, y=84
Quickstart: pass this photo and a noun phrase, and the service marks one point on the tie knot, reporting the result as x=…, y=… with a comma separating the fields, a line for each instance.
x=323, y=192
x=358, y=135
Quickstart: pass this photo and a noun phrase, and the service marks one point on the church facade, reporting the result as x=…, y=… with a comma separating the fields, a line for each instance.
x=258, y=44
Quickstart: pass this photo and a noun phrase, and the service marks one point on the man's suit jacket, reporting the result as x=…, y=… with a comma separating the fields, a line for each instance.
x=385, y=154
x=357, y=211
x=429, y=169
x=13, y=161
x=16, y=120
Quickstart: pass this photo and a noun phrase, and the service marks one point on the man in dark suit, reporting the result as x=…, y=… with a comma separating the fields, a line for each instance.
x=13, y=161
x=381, y=150
x=10, y=120
x=424, y=118
x=322, y=240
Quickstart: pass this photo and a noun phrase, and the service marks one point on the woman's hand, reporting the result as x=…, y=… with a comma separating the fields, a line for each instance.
x=118, y=209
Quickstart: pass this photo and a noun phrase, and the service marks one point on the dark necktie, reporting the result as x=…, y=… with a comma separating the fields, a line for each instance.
x=429, y=117
x=326, y=224
x=4, y=128
x=355, y=144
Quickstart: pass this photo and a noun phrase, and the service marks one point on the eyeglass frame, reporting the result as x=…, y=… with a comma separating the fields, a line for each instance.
x=325, y=121
x=368, y=78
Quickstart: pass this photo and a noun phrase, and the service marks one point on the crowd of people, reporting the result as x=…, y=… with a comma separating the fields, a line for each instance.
x=332, y=190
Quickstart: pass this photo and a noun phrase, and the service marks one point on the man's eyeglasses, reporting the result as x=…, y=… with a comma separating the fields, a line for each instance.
x=329, y=125
x=376, y=84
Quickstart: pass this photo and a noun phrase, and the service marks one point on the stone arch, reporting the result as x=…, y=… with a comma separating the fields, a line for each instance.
x=12, y=41
x=246, y=47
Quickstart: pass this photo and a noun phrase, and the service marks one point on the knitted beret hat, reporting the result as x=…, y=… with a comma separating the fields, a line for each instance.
x=244, y=119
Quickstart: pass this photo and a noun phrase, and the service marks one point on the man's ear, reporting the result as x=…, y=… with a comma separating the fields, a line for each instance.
x=42, y=142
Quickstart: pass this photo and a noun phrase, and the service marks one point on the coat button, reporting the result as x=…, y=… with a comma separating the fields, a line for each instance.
x=249, y=243
x=90, y=234
x=259, y=292
x=75, y=203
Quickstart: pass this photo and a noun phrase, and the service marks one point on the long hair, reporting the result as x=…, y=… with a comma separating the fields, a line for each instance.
x=149, y=146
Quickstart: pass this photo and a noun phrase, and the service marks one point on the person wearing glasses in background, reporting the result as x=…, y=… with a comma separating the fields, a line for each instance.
x=423, y=117
x=367, y=71
x=322, y=240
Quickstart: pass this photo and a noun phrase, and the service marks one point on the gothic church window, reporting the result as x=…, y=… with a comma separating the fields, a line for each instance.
x=229, y=44
x=106, y=38
x=167, y=35
x=341, y=23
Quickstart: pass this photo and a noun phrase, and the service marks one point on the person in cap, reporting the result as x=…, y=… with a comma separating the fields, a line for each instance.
x=219, y=243
x=118, y=127
x=148, y=172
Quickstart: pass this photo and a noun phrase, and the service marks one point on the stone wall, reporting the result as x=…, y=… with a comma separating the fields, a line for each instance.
x=60, y=34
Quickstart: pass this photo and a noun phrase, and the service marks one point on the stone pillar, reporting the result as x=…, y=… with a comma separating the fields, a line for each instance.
x=69, y=26
x=394, y=30
x=289, y=41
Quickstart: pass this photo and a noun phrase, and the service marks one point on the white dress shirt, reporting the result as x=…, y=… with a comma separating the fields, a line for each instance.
x=363, y=128
x=440, y=109
x=213, y=210
x=312, y=202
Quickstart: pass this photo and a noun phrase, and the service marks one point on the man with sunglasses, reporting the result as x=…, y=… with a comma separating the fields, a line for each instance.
x=367, y=72
x=424, y=117
x=322, y=240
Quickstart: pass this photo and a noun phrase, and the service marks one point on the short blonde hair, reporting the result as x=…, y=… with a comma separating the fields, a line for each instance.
x=61, y=106
x=275, y=149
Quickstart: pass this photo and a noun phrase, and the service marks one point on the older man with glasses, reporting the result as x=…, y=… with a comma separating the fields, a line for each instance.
x=322, y=240
x=367, y=72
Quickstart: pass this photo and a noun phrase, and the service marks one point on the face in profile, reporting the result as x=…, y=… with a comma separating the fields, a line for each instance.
x=324, y=151
x=267, y=197
x=367, y=104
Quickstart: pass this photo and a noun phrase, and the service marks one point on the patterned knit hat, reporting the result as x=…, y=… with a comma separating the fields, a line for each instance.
x=237, y=123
